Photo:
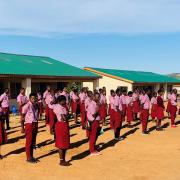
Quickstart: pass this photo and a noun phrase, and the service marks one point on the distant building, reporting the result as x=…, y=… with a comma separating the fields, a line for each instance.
x=177, y=86
x=130, y=80
x=36, y=72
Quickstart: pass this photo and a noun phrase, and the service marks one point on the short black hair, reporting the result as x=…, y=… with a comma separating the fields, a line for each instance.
x=130, y=93
x=61, y=98
x=32, y=94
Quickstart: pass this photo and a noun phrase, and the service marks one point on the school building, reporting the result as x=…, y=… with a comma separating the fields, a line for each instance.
x=36, y=72
x=177, y=86
x=130, y=80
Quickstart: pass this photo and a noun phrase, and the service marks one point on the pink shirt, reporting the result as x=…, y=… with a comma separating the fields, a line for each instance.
x=169, y=96
x=173, y=99
x=87, y=101
x=39, y=97
x=4, y=98
x=135, y=96
x=82, y=97
x=103, y=99
x=45, y=96
x=92, y=109
x=50, y=99
x=66, y=95
x=111, y=101
x=153, y=100
x=146, y=101
x=31, y=113
x=75, y=97
x=22, y=99
x=70, y=94
x=123, y=99
x=117, y=103
x=129, y=101
x=59, y=111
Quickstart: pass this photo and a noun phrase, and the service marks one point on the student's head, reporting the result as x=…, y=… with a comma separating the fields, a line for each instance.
x=112, y=92
x=118, y=92
x=61, y=100
x=130, y=93
x=75, y=91
x=48, y=88
x=136, y=90
x=96, y=97
x=65, y=89
x=143, y=92
x=33, y=98
x=154, y=94
x=161, y=92
x=147, y=91
x=124, y=92
x=95, y=91
x=100, y=91
x=174, y=91
x=104, y=88
x=22, y=91
x=6, y=90
x=104, y=92
x=52, y=92
x=90, y=94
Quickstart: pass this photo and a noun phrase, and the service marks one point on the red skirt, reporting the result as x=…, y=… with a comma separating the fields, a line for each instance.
x=160, y=113
x=62, y=135
x=41, y=110
x=75, y=107
x=3, y=135
x=124, y=108
x=154, y=111
x=103, y=111
x=129, y=113
x=168, y=107
x=136, y=106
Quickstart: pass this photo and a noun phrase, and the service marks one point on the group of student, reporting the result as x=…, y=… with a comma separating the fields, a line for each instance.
x=93, y=110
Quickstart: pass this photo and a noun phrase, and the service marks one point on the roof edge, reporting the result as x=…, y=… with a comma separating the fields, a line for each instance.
x=107, y=75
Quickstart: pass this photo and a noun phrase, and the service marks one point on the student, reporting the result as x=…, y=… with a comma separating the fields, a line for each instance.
x=154, y=106
x=118, y=112
x=83, y=96
x=45, y=97
x=160, y=110
x=66, y=94
x=62, y=141
x=123, y=102
x=173, y=109
x=145, y=106
x=103, y=107
x=51, y=101
x=4, y=100
x=169, y=103
x=136, y=104
x=94, y=125
x=30, y=113
x=75, y=106
x=112, y=108
x=3, y=136
x=40, y=103
x=129, y=108
x=22, y=99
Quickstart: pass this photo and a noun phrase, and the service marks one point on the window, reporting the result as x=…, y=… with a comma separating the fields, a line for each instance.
x=14, y=90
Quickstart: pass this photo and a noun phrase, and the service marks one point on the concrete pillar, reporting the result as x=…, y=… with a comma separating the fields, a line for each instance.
x=96, y=84
x=130, y=87
x=165, y=91
x=26, y=83
x=157, y=87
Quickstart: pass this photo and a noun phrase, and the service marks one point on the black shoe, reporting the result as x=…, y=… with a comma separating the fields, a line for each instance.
x=8, y=128
x=1, y=157
x=159, y=129
x=32, y=161
x=64, y=163
x=77, y=122
x=145, y=133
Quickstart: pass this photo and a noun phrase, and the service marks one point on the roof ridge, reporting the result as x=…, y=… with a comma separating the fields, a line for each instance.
x=23, y=55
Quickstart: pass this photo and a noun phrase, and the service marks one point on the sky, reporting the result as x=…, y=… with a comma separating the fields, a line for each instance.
x=120, y=34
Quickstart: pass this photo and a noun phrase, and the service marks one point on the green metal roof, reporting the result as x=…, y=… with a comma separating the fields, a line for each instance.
x=13, y=64
x=138, y=76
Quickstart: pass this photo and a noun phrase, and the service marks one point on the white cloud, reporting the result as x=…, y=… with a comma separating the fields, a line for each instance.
x=57, y=17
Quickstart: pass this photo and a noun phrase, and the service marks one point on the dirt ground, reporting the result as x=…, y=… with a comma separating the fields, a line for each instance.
x=152, y=157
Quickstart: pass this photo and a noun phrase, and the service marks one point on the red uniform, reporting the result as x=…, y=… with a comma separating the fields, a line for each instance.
x=154, y=107
x=129, y=109
x=3, y=136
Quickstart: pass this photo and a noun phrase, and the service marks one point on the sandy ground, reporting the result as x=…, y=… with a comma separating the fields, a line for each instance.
x=156, y=156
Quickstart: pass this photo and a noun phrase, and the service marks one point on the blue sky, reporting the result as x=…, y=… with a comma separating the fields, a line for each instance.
x=121, y=34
